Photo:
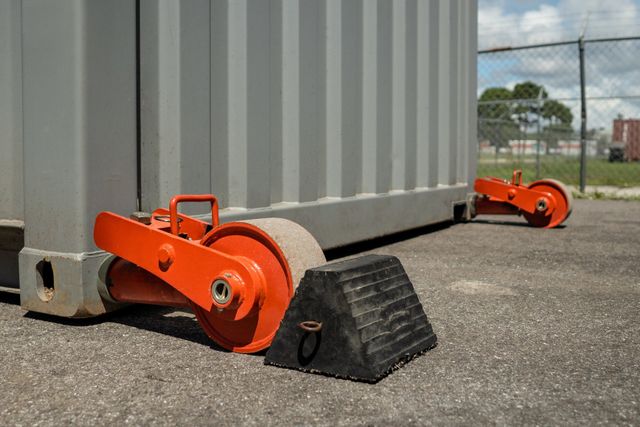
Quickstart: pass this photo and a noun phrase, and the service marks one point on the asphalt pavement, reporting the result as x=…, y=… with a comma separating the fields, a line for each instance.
x=534, y=327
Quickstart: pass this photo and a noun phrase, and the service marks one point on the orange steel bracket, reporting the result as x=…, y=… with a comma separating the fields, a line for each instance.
x=132, y=284
x=501, y=197
x=178, y=258
x=173, y=209
x=235, y=277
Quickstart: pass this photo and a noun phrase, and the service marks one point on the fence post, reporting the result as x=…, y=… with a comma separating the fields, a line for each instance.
x=539, y=113
x=583, y=119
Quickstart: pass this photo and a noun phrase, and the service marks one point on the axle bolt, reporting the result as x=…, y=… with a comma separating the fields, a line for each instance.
x=166, y=255
x=541, y=204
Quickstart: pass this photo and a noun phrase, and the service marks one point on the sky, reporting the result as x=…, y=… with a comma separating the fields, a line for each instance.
x=524, y=22
x=612, y=69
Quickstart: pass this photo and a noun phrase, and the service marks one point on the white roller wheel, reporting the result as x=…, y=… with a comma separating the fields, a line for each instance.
x=567, y=193
x=300, y=248
x=564, y=204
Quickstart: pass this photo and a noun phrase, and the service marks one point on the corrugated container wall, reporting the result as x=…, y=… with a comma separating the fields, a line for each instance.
x=354, y=118
x=11, y=189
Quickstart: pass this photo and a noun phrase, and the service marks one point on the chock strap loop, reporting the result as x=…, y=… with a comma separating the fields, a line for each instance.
x=310, y=326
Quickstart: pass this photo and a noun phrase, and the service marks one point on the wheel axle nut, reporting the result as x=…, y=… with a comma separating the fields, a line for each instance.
x=221, y=291
x=227, y=291
x=541, y=204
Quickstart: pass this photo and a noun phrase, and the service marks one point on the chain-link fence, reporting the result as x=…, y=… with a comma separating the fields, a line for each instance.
x=569, y=111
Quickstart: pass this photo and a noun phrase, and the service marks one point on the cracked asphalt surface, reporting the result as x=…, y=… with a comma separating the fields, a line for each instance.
x=534, y=326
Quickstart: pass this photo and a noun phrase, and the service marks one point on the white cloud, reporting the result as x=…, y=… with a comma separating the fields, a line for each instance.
x=542, y=23
x=545, y=23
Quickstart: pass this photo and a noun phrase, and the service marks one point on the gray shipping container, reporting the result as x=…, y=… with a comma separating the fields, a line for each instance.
x=354, y=118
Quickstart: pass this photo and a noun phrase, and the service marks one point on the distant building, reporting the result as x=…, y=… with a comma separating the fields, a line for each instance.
x=627, y=133
x=485, y=147
x=527, y=146
x=572, y=148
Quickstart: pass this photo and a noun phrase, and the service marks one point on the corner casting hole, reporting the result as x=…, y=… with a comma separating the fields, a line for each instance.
x=459, y=211
x=44, y=280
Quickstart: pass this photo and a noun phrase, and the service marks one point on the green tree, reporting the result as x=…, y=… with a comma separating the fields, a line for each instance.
x=495, y=122
x=529, y=90
x=559, y=117
x=556, y=112
x=503, y=112
x=528, y=97
x=488, y=108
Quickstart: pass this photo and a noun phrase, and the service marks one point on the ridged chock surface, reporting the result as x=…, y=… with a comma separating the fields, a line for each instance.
x=372, y=321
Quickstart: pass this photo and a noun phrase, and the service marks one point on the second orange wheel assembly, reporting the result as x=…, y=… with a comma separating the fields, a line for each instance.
x=545, y=203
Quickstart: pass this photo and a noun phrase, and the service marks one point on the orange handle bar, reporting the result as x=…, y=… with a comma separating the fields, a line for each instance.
x=173, y=208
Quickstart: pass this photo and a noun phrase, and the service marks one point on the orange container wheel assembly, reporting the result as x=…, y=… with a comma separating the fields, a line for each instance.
x=544, y=203
x=238, y=277
x=264, y=284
